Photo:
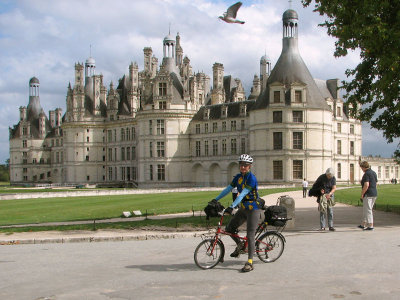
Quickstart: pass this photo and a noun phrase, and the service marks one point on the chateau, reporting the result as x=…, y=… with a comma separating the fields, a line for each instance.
x=167, y=126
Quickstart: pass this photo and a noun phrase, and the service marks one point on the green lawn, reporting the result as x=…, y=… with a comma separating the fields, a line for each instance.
x=388, y=197
x=25, y=211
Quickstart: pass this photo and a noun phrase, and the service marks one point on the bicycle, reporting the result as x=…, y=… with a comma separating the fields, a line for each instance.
x=269, y=245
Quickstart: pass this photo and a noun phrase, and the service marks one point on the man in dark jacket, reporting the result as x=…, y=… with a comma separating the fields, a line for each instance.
x=324, y=188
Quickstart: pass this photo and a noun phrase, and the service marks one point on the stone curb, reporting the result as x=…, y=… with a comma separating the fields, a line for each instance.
x=91, y=239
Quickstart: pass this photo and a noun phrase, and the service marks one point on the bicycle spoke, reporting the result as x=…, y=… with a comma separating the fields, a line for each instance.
x=269, y=247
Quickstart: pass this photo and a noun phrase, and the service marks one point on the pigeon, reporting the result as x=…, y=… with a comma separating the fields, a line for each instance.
x=230, y=15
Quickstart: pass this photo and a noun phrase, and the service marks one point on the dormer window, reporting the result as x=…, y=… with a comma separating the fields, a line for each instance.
x=162, y=89
x=297, y=96
x=224, y=111
x=338, y=111
x=277, y=96
x=243, y=109
x=206, y=114
x=162, y=105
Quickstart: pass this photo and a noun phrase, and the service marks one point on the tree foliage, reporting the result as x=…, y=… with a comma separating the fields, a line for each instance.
x=372, y=27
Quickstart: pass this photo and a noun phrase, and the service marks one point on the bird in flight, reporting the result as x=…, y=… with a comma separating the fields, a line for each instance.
x=230, y=15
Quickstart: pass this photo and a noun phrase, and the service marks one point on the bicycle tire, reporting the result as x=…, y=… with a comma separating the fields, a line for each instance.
x=270, y=246
x=207, y=256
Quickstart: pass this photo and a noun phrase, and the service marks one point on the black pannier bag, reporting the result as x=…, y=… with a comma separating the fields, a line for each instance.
x=276, y=215
x=213, y=208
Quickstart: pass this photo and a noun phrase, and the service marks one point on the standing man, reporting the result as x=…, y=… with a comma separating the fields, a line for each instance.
x=247, y=199
x=368, y=195
x=305, y=186
x=324, y=188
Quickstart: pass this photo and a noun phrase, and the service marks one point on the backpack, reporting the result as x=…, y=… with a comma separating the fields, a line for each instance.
x=276, y=215
x=213, y=208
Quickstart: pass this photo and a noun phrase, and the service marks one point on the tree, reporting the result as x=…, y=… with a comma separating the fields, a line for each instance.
x=372, y=27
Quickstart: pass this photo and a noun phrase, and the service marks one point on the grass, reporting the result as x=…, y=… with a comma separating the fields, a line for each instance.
x=388, y=199
x=26, y=211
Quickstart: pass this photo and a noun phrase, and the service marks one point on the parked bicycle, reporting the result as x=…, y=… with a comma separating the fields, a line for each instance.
x=269, y=246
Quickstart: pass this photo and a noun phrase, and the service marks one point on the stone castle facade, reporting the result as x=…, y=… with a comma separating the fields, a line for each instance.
x=166, y=126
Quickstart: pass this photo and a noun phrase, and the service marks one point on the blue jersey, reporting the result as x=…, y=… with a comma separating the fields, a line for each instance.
x=248, y=181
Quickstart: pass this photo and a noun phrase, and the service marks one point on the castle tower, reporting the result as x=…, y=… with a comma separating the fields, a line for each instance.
x=90, y=67
x=265, y=71
x=147, y=53
x=218, y=94
x=79, y=79
x=178, y=51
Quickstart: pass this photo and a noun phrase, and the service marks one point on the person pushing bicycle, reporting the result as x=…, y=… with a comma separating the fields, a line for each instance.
x=248, y=201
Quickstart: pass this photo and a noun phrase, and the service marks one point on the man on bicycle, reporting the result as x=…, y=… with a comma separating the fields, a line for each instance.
x=247, y=199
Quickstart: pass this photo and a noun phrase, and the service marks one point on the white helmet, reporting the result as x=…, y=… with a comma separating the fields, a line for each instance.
x=246, y=158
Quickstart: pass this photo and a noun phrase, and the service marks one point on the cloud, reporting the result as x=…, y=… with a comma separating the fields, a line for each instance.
x=46, y=38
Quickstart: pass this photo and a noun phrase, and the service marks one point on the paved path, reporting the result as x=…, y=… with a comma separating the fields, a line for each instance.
x=346, y=218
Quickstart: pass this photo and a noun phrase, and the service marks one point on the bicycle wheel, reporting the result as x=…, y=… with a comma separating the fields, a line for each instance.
x=269, y=247
x=209, y=253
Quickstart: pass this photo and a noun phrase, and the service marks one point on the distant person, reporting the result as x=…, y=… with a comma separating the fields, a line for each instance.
x=368, y=195
x=324, y=188
x=305, y=186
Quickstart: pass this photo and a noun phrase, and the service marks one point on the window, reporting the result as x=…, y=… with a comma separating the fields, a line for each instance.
x=297, y=97
x=162, y=89
x=162, y=105
x=233, y=125
x=115, y=157
x=339, y=127
x=223, y=146
x=87, y=158
x=160, y=127
x=233, y=146
x=128, y=153
x=123, y=170
x=339, y=170
x=351, y=148
x=277, y=140
x=206, y=148
x=133, y=133
x=297, y=169
x=242, y=125
x=161, y=172
x=133, y=152
x=339, y=147
x=278, y=169
x=151, y=172
x=122, y=153
x=34, y=161
x=223, y=126
x=160, y=149
x=206, y=128
x=297, y=140
x=122, y=134
x=277, y=96
x=297, y=117
x=243, y=145
x=151, y=149
x=25, y=170
x=150, y=127
x=214, y=127
x=110, y=154
x=379, y=172
x=115, y=135
x=128, y=134
x=197, y=148
x=351, y=129
x=277, y=117
x=387, y=172
x=24, y=144
x=110, y=174
x=24, y=131
x=338, y=111
x=109, y=135
x=215, y=147
x=197, y=128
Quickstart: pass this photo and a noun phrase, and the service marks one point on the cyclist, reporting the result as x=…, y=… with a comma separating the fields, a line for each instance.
x=247, y=199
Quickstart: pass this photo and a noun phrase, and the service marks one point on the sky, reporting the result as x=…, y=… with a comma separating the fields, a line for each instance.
x=45, y=38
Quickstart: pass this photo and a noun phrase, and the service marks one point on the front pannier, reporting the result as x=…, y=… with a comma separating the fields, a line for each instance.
x=276, y=215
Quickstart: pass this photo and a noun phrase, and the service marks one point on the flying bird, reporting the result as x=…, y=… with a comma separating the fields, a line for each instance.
x=230, y=15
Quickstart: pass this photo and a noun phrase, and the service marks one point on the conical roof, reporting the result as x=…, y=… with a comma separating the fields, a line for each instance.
x=290, y=69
